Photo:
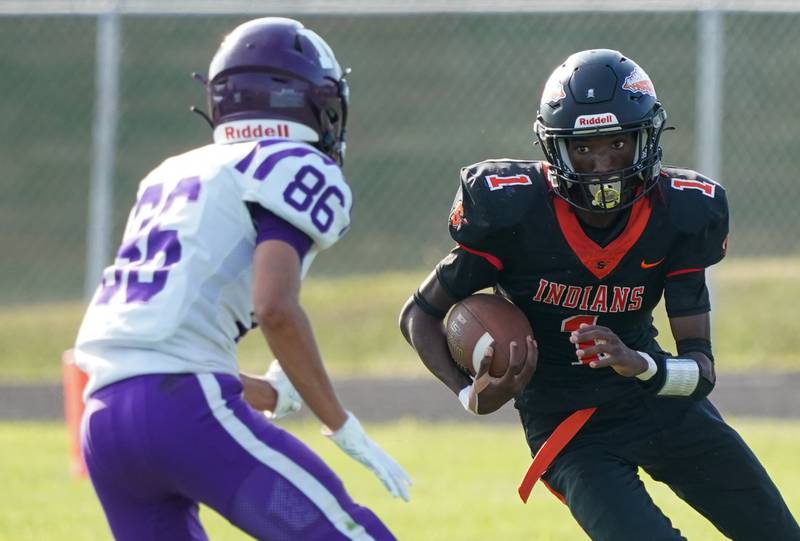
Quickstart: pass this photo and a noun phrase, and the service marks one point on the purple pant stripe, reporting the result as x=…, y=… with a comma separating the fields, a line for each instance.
x=156, y=444
x=304, y=469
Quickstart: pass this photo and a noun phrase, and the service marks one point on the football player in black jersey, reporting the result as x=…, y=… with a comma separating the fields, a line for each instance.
x=585, y=244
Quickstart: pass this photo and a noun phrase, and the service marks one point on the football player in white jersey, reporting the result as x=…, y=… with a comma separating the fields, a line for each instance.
x=216, y=244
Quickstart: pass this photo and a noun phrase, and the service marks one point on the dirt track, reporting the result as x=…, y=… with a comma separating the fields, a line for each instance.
x=774, y=395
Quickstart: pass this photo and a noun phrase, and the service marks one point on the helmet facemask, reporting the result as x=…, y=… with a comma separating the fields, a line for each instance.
x=613, y=190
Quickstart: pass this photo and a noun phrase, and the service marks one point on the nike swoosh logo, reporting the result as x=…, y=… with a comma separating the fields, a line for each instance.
x=646, y=265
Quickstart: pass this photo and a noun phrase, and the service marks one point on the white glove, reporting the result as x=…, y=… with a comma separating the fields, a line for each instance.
x=352, y=439
x=289, y=400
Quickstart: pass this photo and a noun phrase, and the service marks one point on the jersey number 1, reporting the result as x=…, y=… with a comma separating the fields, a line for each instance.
x=573, y=324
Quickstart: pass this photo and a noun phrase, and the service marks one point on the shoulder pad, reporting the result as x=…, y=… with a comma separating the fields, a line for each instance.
x=494, y=195
x=298, y=183
x=695, y=201
x=698, y=210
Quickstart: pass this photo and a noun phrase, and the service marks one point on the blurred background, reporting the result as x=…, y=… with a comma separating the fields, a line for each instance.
x=96, y=93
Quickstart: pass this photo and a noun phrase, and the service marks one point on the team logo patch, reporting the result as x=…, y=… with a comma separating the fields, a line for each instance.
x=639, y=82
x=594, y=121
x=457, y=216
x=498, y=183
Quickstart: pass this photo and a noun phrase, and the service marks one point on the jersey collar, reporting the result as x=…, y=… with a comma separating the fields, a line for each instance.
x=598, y=260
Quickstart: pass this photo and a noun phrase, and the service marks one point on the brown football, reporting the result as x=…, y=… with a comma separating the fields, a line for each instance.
x=479, y=320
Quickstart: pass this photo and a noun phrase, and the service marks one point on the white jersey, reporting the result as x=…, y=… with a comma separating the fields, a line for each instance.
x=178, y=296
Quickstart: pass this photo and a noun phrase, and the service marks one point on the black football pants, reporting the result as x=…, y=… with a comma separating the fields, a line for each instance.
x=681, y=442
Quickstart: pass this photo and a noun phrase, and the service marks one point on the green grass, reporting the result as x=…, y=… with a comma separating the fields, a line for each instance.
x=465, y=478
x=356, y=323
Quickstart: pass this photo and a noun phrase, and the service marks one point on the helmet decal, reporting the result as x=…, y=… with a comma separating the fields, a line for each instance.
x=593, y=121
x=639, y=82
x=237, y=131
x=553, y=90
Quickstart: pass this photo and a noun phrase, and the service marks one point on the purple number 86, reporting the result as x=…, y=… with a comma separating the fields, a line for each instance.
x=300, y=195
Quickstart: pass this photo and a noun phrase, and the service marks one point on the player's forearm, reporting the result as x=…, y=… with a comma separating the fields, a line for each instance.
x=426, y=335
x=291, y=339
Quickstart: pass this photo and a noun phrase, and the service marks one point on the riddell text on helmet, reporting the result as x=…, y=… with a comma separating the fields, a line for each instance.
x=256, y=131
x=603, y=119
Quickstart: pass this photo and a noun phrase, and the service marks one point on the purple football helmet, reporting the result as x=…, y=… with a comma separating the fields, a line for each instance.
x=274, y=69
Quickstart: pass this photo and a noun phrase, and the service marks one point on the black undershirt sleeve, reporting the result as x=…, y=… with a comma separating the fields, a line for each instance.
x=686, y=294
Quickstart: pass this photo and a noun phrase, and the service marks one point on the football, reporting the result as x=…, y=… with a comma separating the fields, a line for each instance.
x=479, y=320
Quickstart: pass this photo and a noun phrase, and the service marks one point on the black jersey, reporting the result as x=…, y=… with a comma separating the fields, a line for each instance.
x=516, y=235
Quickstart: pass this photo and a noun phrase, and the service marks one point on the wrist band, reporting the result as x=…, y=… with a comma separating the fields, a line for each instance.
x=427, y=307
x=682, y=376
x=463, y=397
x=652, y=367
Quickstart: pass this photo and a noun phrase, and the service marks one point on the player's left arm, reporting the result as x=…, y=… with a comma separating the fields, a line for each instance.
x=693, y=340
x=688, y=374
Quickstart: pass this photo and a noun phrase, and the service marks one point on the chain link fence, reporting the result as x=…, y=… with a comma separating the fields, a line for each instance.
x=430, y=93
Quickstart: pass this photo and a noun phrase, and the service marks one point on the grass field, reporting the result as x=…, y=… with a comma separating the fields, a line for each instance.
x=465, y=479
x=356, y=321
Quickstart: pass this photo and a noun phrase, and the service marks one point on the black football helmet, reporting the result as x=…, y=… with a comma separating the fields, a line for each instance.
x=600, y=92
x=272, y=76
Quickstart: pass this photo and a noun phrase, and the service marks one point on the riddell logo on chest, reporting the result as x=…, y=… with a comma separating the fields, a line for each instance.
x=591, y=121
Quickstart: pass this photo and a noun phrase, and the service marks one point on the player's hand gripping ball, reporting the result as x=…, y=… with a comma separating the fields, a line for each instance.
x=477, y=321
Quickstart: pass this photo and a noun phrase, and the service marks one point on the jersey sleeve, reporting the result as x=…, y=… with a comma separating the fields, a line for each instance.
x=270, y=227
x=301, y=186
x=492, y=197
x=462, y=273
x=491, y=200
x=699, y=213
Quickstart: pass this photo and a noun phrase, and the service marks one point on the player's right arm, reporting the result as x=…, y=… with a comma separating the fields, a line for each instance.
x=421, y=324
x=474, y=218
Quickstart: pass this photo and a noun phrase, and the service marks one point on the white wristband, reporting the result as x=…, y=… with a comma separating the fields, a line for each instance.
x=682, y=377
x=652, y=367
x=463, y=397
